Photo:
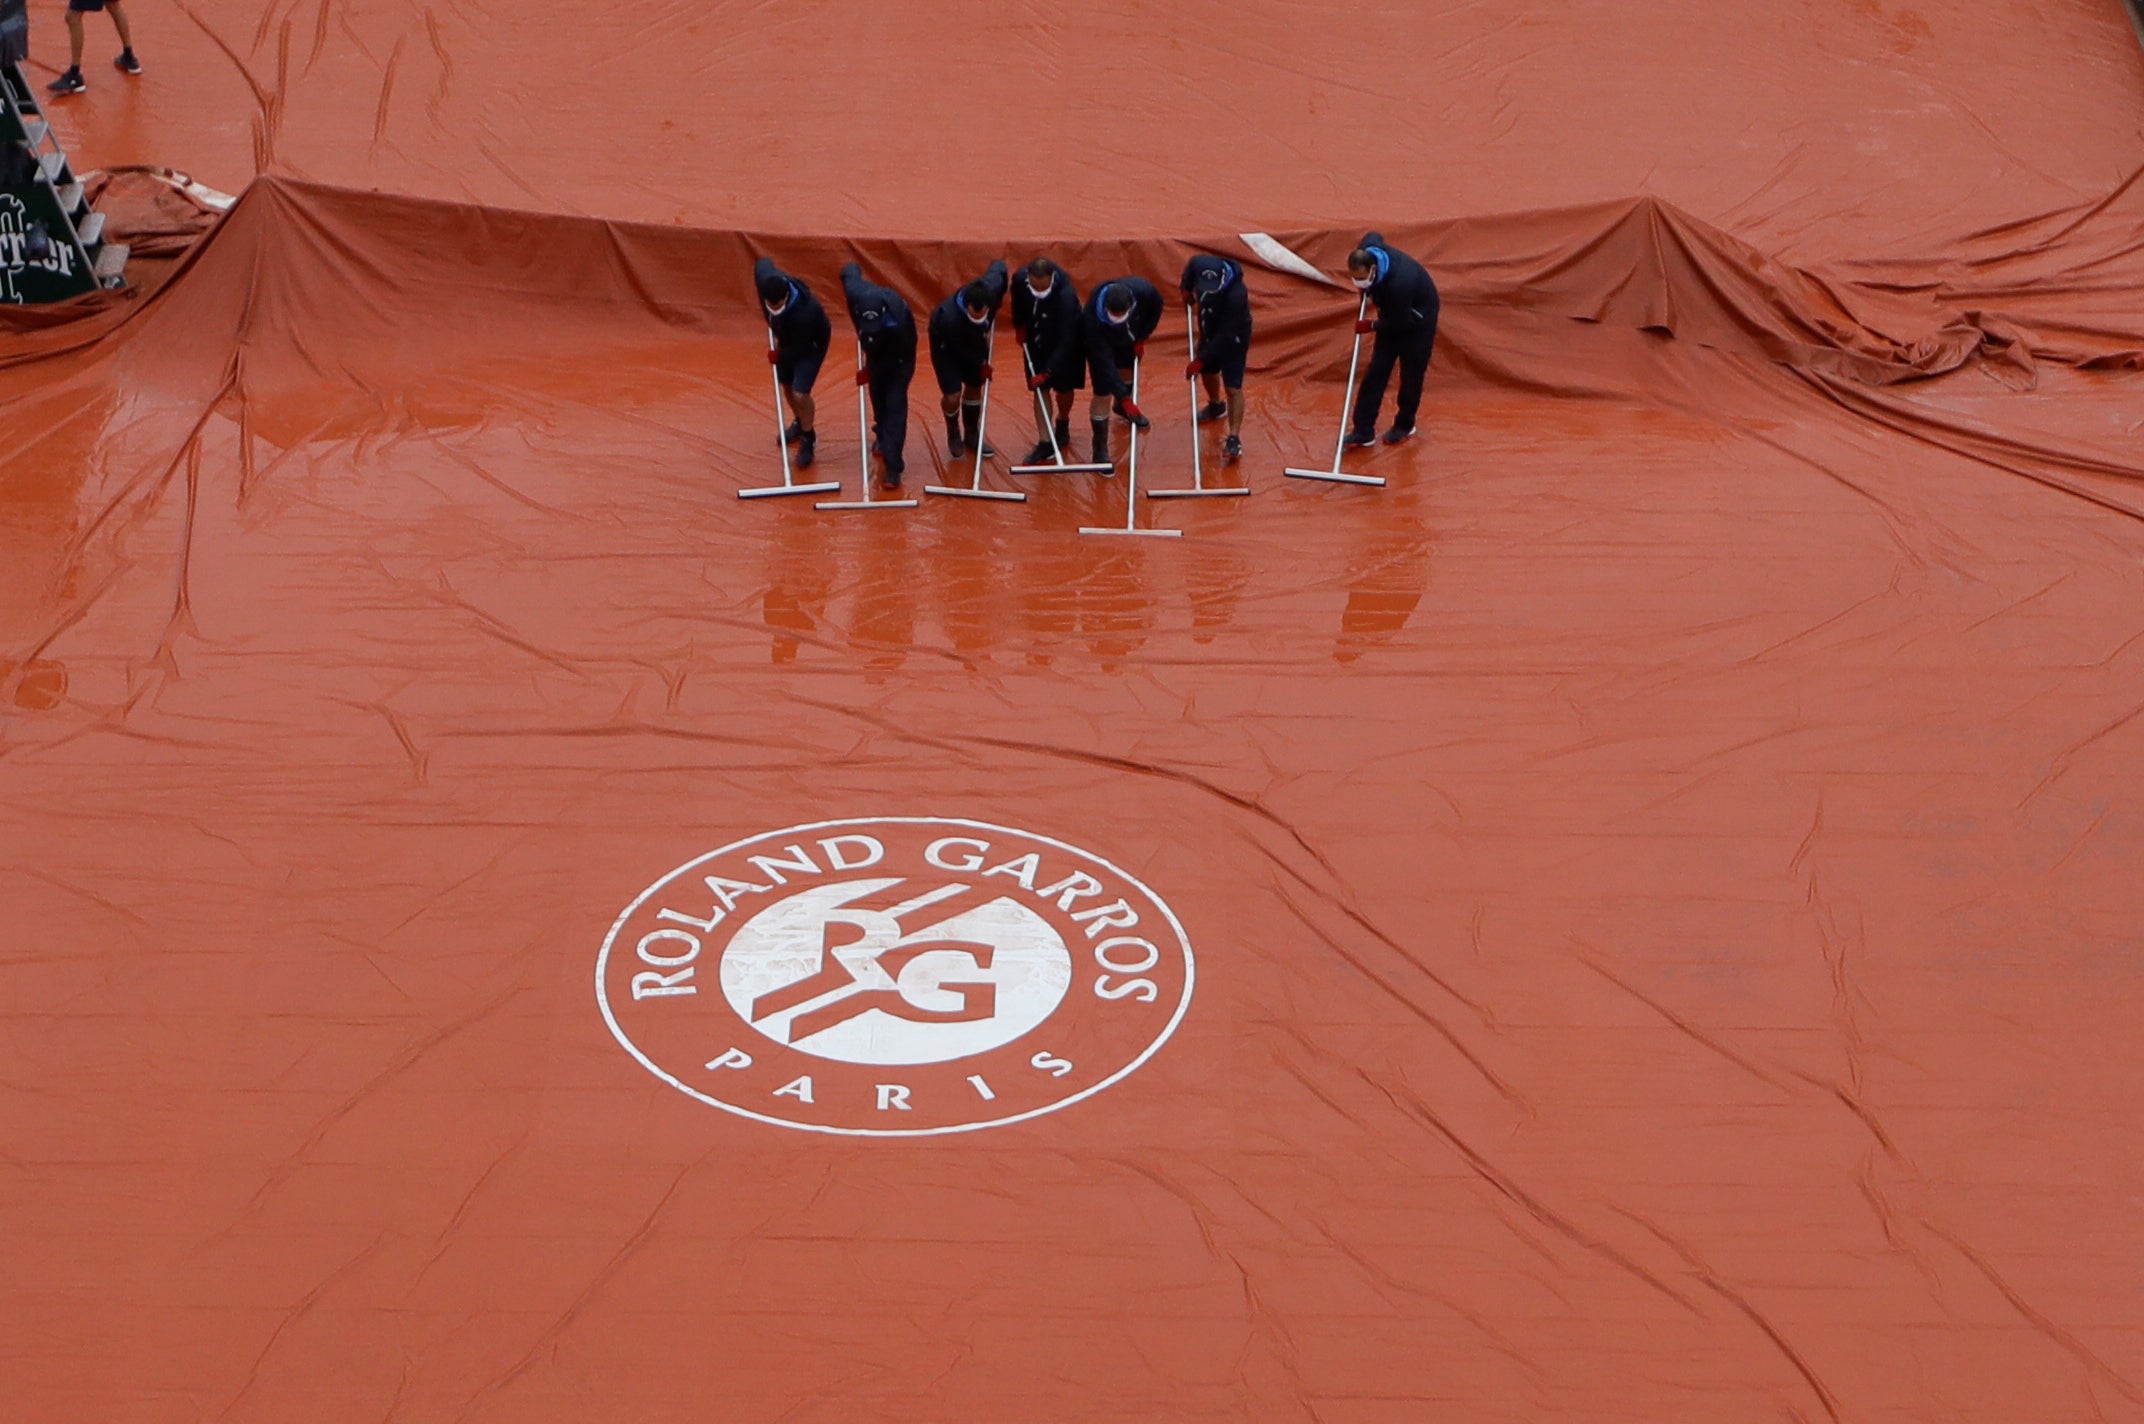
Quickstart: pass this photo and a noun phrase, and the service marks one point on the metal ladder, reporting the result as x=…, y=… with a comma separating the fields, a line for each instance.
x=83, y=260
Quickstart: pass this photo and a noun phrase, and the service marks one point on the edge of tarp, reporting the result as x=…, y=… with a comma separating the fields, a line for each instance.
x=1637, y=262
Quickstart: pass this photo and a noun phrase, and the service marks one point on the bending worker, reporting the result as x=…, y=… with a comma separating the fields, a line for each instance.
x=1215, y=286
x=960, y=355
x=1120, y=316
x=1406, y=327
x=1045, y=315
x=801, y=335
x=887, y=331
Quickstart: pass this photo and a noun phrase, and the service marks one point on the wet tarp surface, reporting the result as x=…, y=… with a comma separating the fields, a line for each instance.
x=1638, y=918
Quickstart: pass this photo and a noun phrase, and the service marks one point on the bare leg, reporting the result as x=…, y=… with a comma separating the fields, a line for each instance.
x=800, y=406
x=118, y=12
x=74, y=38
x=1235, y=412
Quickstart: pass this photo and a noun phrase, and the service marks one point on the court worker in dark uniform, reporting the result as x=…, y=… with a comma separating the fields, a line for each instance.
x=801, y=335
x=1406, y=330
x=1120, y=316
x=887, y=331
x=1046, y=318
x=1215, y=286
x=72, y=81
x=960, y=329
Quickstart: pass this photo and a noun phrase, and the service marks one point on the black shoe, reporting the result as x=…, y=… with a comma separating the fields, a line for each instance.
x=1231, y=450
x=1143, y=424
x=1359, y=437
x=892, y=480
x=794, y=433
x=1212, y=411
x=1044, y=453
x=1398, y=433
x=127, y=63
x=874, y=444
x=71, y=82
x=807, y=448
x=989, y=451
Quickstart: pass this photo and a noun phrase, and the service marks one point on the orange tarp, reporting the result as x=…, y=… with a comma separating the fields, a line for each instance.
x=1642, y=909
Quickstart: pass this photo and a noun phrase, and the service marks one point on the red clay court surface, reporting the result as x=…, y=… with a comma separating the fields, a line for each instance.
x=1643, y=910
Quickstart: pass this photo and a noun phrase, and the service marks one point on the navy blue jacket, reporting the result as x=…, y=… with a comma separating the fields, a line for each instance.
x=1109, y=347
x=802, y=330
x=959, y=340
x=1406, y=298
x=883, y=321
x=1224, y=315
x=1052, y=324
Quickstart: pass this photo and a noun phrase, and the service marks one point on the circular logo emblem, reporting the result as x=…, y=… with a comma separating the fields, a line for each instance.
x=894, y=977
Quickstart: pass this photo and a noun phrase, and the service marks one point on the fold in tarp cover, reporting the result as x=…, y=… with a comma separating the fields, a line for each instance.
x=1635, y=920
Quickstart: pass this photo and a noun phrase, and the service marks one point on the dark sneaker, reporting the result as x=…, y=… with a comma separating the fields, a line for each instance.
x=71, y=82
x=1212, y=411
x=1398, y=433
x=892, y=479
x=1138, y=420
x=1231, y=450
x=989, y=451
x=1044, y=453
x=807, y=448
x=793, y=434
x=127, y=63
x=1358, y=437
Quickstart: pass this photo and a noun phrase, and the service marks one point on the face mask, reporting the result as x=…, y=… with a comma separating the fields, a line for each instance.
x=776, y=309
x=1114, y=320
x=1038, y=293
x=978, y=317
x=1363, y=284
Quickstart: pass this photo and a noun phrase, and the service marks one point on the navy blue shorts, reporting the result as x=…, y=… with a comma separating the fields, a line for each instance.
x=1109, y=378
x=799, y=375
x=953, y=370
x=1071, y=376
x=1230, y=363
x=85, y=7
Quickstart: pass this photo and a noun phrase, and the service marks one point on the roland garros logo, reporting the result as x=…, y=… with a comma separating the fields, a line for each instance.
x=894, y=977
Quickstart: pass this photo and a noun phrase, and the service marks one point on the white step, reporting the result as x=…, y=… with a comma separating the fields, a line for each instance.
x=111, y=262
